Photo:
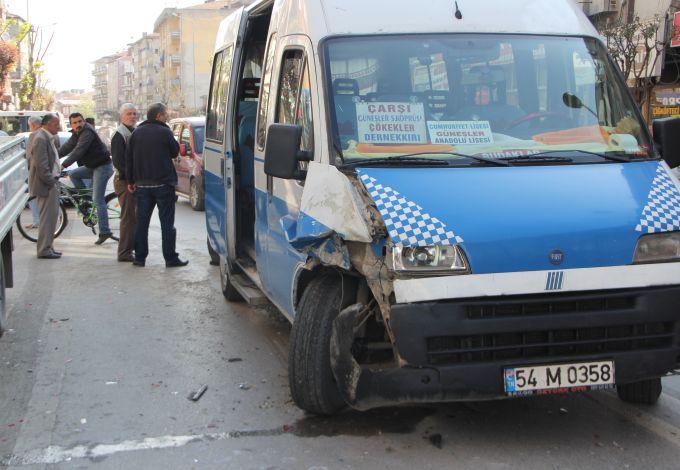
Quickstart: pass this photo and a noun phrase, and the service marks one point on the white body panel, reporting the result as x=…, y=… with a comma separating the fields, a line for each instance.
x=535, y=282
x=330, y=198
x=321, y=18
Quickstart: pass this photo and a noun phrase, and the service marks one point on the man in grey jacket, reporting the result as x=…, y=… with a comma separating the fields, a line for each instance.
x=42, y=183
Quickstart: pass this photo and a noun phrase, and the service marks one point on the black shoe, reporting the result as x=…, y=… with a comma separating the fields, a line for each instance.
x=127, y=259
x=50, y=256
x=176, y=263
x=103, y=237
x=139, y=263
x=57, y=252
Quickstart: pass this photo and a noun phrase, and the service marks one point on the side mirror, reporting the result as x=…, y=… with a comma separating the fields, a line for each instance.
x=570, y=100
x=282, y=152
x=667, y=139
x=183, y=150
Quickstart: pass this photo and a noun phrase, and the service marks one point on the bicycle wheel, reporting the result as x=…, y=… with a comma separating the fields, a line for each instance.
x=113, y=209
x=29, y=230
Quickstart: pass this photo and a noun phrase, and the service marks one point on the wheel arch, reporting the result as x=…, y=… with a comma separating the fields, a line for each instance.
x=350, y=283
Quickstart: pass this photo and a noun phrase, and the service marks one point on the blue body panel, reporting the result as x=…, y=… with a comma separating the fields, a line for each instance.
x=511, y=219
x=215, y=200
x=279, y=271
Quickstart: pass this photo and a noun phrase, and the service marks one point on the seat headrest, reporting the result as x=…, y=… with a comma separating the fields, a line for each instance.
x=345, y=86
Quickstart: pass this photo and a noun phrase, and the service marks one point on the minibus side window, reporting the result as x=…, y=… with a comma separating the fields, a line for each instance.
x=294, y=99
x=217, y=108
x=264, y=93
x=211, y=118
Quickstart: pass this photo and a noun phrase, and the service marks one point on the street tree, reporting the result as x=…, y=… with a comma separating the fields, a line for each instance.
x=637, y=46
x=33, y=93
x=10, y=36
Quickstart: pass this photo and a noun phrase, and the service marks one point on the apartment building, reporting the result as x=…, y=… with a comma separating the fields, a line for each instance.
x=101, y=85
x=186, y=43
x=145, y=62
x=112, y=84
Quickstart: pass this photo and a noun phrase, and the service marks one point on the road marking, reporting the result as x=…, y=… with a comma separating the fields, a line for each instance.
x=641, y=417
x=58, y=454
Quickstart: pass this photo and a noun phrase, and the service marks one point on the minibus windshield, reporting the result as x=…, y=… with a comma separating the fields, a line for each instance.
x=486, y=95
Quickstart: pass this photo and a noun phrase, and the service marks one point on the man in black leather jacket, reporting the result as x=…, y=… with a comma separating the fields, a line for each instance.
x=86, y=148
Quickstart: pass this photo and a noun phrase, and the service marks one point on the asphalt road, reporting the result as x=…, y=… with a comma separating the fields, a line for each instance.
x=100, y=357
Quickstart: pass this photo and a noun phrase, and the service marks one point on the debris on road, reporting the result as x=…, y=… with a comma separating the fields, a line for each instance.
x=436, y=440
x=111, y=383
x=244, y=386
x=195, y=396
x=234, y=359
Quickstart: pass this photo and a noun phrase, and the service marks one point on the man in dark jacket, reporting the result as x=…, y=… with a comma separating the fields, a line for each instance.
x=128, y=209
x=152, y=177
x=86, y=148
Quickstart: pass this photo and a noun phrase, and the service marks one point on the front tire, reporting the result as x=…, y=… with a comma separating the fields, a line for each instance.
x=644, y=392
x=310, y=376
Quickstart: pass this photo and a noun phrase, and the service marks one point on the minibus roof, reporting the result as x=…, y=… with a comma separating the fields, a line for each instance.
x=321, y=18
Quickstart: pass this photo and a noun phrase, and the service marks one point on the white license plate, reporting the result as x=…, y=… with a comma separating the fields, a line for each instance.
x=558, y=377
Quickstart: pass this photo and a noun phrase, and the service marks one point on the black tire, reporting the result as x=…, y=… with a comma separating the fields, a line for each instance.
x=197, y=194
x=645, y=392
x=32, y=234
x=214, y=257
x=310, y=377
x=228, y=290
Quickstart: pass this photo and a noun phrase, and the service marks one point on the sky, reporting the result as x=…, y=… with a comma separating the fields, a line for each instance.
x=85, y=30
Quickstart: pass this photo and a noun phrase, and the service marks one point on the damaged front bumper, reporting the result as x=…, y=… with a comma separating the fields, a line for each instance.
x=456, y=350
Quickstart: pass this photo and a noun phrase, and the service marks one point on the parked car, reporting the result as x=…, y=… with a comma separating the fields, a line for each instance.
x=189, y=132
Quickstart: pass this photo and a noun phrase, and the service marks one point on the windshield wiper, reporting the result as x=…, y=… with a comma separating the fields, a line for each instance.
x=396, y=160
x=547, y=153
x=418, y=159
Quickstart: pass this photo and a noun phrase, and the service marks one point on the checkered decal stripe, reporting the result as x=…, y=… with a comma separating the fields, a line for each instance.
x=662, y=212
x=407, y=223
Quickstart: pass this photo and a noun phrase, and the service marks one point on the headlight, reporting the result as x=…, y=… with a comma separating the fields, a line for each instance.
x=445, y=258
x=658, y=247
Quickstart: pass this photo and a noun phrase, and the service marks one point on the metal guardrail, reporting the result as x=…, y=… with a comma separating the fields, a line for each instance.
x=13, y=181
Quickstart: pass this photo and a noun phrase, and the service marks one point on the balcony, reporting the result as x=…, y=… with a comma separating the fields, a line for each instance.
x=602, y=6
x=175, y=60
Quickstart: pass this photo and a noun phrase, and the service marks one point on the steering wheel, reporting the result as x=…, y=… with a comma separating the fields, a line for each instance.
x=534, y=116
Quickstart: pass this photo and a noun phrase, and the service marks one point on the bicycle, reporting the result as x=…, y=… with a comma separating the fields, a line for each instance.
x=81, y=200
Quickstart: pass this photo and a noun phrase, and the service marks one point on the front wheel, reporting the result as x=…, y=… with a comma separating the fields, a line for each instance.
x=28, y=221
x=310, y=376
x=645, y=392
